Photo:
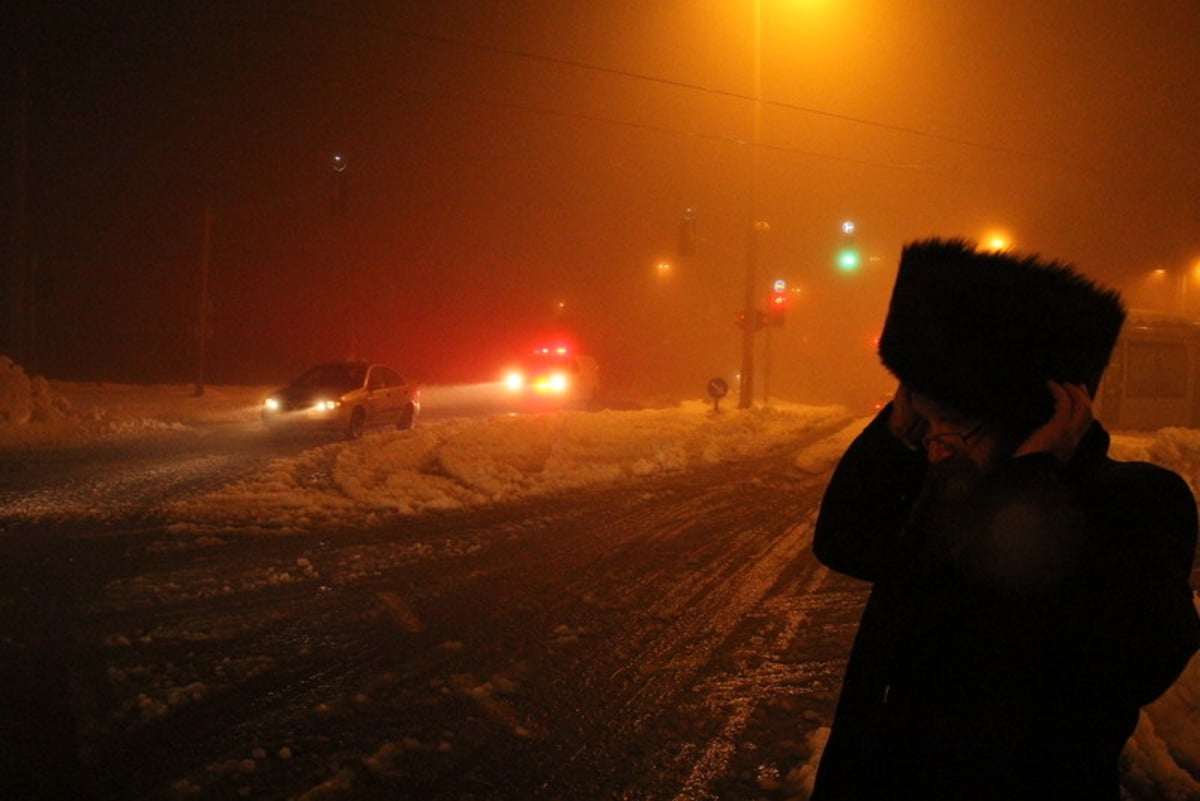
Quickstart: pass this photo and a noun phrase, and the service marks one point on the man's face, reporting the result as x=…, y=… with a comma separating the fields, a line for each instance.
x=960, y=449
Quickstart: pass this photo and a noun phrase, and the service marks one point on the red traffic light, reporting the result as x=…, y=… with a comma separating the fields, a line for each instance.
x=778, y=304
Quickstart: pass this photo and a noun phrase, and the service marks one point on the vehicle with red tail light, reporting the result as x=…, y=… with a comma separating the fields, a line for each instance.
x=554, y=376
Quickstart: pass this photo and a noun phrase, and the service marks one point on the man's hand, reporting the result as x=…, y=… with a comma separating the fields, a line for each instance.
x=904, y=423
x=1061, y=434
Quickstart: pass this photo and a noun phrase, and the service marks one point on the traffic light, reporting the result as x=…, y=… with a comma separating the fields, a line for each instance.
x=778, y=303
x=687, y=233
x=849, y=258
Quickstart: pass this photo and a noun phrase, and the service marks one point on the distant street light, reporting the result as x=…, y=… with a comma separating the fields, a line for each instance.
x=337, y=204
x=1179, y=282
x=1165, y=288
x=996, y=241
x=687, y=233
x=1189, y=278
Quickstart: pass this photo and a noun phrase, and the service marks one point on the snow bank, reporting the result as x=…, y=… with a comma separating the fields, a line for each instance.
x=25, y=399
x=1162, y=759
x=37, y=413
x=465, y=462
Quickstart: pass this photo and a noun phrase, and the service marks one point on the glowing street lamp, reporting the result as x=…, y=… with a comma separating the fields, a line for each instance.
x=338, y=201
x=996, y=241
x=1169, y=288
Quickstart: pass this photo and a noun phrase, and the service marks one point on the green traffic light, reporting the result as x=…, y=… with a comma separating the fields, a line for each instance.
x=848, y=260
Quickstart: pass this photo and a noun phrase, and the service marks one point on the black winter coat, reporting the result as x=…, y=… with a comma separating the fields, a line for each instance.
x=1005, y=648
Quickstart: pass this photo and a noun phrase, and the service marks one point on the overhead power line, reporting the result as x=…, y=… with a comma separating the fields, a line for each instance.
x=679, y=84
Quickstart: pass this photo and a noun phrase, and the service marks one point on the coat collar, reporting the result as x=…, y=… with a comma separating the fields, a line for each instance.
x=1092, y=450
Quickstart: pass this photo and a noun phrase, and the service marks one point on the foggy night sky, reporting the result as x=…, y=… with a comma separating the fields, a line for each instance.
x=507, y=157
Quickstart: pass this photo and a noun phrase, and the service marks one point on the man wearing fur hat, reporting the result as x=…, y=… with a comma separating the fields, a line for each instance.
x=1029, y=593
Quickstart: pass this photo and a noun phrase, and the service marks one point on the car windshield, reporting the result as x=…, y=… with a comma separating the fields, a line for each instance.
x=333, y=376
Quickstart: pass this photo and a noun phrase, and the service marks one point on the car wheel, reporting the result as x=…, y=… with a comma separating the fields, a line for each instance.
x=406, y=418
x=358, y=422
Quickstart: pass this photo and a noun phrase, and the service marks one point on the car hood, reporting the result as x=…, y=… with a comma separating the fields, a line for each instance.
x=293, y=396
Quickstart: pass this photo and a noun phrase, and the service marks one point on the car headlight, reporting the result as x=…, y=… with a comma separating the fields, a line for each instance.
x=327, y=405
x=554, y=384
x=271, y=404
x=514, y=381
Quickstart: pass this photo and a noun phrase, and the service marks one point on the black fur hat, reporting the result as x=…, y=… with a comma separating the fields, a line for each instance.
x=983, y=332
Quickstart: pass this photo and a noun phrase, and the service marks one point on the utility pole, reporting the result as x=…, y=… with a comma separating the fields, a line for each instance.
x=202, y=328
x=750, y=299
x=20, y=295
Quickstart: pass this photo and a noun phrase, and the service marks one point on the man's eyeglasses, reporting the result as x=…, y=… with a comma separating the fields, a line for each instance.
x=953, y=440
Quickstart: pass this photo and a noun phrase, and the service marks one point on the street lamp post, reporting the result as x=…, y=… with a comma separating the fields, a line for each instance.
x=202, y=323
x=746, y=388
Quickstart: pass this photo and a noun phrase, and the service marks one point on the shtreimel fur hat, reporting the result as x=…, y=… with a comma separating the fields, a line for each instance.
x=983, y=332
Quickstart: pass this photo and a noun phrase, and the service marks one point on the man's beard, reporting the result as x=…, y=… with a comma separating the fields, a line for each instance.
x=951, y=479
x=996, y=536
x=948, y=508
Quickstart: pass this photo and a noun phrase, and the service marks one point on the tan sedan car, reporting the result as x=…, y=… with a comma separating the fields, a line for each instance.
x=346, y=397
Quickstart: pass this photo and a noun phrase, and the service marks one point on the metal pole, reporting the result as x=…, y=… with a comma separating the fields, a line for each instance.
x=202, y=333
x=18, y=308
x=746, y=386
x=766, y=384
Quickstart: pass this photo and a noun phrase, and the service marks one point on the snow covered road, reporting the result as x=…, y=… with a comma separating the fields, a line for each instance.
x=672, y=640
x=609, y=605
